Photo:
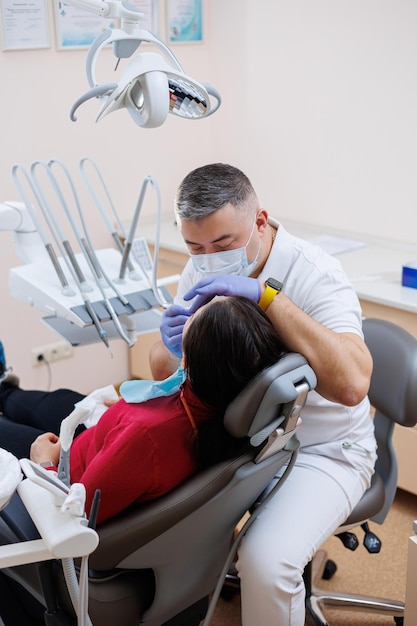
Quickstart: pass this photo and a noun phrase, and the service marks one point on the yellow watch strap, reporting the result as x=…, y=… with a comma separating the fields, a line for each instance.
x=267, y=297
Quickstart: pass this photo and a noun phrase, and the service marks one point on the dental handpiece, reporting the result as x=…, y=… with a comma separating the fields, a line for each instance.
x=102, y=210
x=101, y=331
x=85, y=242
x=132, y=230
x=66, y=289
x=54, y=225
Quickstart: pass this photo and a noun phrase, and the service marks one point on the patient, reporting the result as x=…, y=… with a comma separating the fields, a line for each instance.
x=139, y=451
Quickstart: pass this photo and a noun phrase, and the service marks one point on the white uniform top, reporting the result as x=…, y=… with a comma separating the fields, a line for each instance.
x=317, y=284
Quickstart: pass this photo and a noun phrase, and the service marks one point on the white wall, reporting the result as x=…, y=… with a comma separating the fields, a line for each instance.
x=319, y=102
x=324, y=109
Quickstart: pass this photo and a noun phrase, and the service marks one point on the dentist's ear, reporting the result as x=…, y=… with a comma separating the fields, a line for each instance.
x=183, y=363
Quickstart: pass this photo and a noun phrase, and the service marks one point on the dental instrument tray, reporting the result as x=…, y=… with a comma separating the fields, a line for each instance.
x=36, y=285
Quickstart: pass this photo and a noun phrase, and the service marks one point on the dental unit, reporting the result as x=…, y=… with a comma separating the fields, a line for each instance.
x=96, y=295
x=89, y=295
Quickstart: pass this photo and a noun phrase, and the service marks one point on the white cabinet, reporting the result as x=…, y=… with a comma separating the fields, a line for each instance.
x=410, y=592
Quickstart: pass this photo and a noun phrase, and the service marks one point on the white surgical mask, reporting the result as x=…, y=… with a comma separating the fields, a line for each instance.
x=226, y=262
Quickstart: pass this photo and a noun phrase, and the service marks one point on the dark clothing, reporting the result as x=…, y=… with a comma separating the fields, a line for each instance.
x=28, y=414
x=23, y=416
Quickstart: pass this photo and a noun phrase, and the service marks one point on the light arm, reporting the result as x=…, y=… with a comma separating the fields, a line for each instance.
x=99, y=7
x=107, y=8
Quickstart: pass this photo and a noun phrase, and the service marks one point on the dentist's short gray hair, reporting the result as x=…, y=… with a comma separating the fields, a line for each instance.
x=209, y=188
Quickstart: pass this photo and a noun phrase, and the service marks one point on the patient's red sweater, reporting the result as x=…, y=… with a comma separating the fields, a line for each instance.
x=137, y=452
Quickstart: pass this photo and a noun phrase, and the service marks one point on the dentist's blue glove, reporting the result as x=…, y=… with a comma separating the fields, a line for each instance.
x=222, y=285
x=172, y=325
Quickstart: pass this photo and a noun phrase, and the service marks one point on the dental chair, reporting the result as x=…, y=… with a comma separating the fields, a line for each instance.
x=393, y=394
x=158, y=563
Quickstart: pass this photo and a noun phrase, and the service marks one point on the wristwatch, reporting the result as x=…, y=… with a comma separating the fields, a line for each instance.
x=272, y=288
x=46, y=464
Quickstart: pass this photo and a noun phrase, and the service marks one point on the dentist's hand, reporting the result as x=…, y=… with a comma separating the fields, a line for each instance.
x=172, y=325
x=222, y=285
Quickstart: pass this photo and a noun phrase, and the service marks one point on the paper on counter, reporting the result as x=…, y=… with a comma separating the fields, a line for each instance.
x=336, y=245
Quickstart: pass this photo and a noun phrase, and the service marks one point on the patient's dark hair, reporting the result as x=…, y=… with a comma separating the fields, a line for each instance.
x=225, y=346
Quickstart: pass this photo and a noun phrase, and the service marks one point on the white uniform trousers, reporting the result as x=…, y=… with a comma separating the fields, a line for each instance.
x=316, y=498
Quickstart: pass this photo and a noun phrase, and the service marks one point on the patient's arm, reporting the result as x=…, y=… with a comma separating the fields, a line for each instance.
x=129, y=459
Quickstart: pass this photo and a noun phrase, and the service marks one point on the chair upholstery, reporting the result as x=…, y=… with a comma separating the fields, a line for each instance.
x=157, y=560
x=393, y=394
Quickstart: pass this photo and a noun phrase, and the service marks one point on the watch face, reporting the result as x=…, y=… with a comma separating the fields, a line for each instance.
x=275, y=284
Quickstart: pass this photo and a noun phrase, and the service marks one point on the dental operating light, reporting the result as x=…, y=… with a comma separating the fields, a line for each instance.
x=152, y=84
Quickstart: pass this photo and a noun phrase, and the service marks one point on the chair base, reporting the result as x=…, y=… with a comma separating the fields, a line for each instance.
x=319, y=598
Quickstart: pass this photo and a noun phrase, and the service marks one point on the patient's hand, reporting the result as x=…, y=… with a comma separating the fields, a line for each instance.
x=45, y=448
x=107, y=402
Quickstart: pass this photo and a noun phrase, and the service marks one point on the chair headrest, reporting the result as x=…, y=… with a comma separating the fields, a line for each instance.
x=261, y=401
x=393, y=389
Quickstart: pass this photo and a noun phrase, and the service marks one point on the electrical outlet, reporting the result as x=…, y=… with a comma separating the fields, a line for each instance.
x=51, y=352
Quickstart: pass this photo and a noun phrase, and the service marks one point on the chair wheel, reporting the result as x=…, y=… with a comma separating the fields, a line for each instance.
x=329, y=570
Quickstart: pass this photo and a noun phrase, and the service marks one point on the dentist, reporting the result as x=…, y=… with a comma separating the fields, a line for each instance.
x=236, y=248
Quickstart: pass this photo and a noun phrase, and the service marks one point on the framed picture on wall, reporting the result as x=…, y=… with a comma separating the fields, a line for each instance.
x=150, y=20
x=77, y=28
x=185, y=21
x=24, y=25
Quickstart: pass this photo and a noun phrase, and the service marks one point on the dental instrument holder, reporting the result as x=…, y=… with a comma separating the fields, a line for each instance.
x=71, y=314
